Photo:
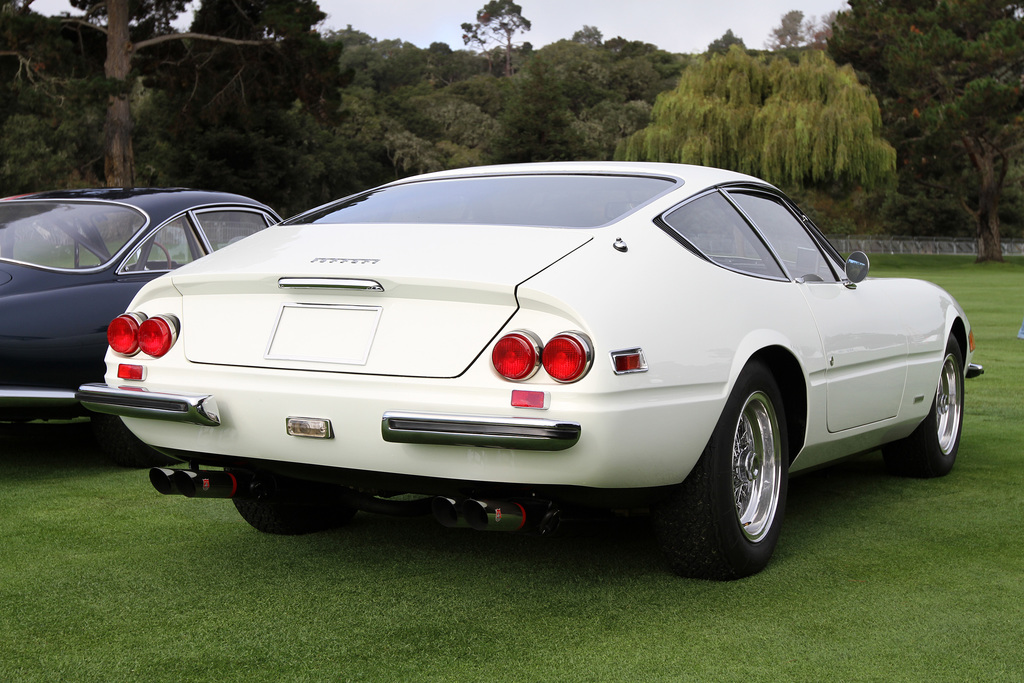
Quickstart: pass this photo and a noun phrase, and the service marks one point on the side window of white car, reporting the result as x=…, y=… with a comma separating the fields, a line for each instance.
x=712, y=227
x=797, y=249
x=171, y=246
x=226, y=227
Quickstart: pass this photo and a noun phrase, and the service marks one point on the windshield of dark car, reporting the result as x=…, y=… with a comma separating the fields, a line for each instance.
x=566, y=201
x=65, y=235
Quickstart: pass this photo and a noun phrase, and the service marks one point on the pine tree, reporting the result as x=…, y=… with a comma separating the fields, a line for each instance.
x=949, y=77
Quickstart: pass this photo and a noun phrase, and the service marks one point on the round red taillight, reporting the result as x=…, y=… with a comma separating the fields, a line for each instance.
x=567, y=357
x=157, y=335
x=123, y=333
x=516, y=356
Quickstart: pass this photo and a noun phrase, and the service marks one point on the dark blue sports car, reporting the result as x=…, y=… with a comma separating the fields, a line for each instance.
x=70, y=262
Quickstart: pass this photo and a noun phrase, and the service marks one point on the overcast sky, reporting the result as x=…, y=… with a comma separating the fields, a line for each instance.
x=675, y=25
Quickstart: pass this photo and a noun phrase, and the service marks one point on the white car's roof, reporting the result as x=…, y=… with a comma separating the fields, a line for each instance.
x=701, y=176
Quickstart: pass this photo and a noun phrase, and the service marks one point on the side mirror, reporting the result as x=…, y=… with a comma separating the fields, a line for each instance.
x=857, y=266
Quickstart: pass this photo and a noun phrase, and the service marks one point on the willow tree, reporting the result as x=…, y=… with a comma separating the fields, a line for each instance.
x=805, y=124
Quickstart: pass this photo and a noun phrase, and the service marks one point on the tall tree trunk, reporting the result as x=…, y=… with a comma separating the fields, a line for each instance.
x=119, y=159
x=989, y=242
x=991, y=166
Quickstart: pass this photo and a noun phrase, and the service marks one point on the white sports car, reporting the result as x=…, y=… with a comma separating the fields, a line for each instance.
x=520, y=346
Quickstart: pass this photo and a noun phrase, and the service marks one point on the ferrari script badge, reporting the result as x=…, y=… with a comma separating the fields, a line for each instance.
x=330, y=259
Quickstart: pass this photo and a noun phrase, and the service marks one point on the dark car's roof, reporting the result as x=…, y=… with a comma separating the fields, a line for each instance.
x=156, y=201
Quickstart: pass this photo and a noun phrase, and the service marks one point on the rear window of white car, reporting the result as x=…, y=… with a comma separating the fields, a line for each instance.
x=65, y=235
x=565, y=201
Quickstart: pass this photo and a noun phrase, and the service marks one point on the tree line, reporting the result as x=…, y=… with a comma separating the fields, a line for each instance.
x=891, y=116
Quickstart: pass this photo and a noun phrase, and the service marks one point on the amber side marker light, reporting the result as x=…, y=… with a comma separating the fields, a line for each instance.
x=628, y=361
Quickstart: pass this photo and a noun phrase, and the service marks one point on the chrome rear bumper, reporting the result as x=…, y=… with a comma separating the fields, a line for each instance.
x=199, y=409
x=523, y=433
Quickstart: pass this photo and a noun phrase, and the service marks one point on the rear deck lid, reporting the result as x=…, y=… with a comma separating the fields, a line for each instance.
x=420, y=301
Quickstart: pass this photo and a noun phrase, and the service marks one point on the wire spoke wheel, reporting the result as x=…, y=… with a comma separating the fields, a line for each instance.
x=948, y=404
x=931, y=449
x=756, y=466
x=723, y=521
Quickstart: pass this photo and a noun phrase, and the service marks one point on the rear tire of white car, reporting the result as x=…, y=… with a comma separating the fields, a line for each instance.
x=292, y=519
x=723, y=521
x=122, y=447
x=930, y=451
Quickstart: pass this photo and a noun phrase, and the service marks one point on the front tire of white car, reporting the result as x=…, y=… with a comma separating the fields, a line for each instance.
x=930, y=451
x=292, y=519
x=723, y=521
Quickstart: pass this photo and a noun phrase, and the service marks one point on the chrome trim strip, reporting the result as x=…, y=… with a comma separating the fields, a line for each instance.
x=329, y=283
x=198, y=409
x=195, y=229
x=523, y=433
x=20, y=397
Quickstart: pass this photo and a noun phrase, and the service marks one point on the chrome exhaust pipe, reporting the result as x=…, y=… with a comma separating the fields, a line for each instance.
x=162, y=479
x=494, y=515
x=200, y=483
x=526, y=516
x=448, y=512
x=212, y=484
x=195, y=483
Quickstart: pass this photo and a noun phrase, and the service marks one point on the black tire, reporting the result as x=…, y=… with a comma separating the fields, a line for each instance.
x=291, y=519
x=931, y=449
x=122, y=447
x=723, y=521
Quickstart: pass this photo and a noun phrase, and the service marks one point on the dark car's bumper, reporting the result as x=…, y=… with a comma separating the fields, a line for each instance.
x=31, y=397
x=38, y=403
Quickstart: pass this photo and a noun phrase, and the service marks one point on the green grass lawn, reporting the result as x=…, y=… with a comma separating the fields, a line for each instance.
x=875, y=578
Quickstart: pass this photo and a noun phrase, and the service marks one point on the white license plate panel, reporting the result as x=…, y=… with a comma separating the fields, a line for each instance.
x=326, y=333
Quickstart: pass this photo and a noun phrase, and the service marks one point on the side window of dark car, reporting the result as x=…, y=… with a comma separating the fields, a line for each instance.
x=790, y=240
x=711, y=226
x=170, y=247
x=226, y=227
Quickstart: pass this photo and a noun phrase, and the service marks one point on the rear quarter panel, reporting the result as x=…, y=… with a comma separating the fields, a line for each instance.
x=697, y=323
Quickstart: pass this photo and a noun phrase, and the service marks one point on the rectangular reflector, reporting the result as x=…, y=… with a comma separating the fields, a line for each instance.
x=126, y=371
x=311, y=427
x=529, y=399
x=629, y=360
